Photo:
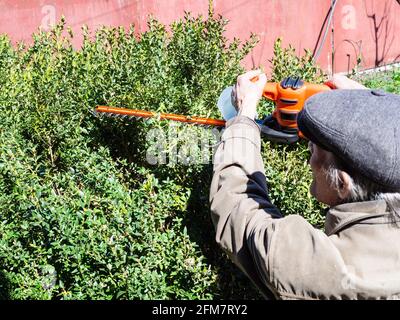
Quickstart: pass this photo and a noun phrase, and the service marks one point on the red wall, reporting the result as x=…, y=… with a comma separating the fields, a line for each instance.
x=361, y=27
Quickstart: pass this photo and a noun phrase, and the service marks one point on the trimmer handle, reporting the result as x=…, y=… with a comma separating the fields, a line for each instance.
x=289, y=96
x=293, y=88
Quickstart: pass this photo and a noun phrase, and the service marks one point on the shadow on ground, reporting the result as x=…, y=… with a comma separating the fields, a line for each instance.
x=5, y=287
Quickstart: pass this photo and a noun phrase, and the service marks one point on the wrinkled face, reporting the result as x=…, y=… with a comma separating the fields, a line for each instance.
x=321, y=187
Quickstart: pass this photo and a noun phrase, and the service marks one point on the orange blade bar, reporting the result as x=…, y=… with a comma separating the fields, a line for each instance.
x=167, y=116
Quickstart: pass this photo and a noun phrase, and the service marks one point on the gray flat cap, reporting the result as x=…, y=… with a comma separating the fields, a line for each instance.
x=361, y=127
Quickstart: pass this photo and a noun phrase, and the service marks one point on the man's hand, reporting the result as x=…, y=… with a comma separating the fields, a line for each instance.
x=247, y=93
x=342, y=82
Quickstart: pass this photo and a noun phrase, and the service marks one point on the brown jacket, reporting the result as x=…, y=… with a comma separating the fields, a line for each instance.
x=357, y=257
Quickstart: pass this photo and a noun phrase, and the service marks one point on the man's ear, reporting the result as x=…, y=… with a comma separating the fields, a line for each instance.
x=345, y=185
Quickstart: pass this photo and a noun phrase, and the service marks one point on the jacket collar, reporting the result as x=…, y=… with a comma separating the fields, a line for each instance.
x=343, y=215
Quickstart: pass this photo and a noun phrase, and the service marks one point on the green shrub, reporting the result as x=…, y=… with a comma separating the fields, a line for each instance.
x=387, y=80
x=286, y=62
x=83, y=215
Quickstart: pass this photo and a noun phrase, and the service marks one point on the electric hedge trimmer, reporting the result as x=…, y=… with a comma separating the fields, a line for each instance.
x=289, y=96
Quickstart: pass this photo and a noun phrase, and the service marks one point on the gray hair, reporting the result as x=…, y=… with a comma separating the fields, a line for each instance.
x=362, y=189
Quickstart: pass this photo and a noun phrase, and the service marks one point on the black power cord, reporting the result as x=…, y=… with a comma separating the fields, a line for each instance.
x=317, y=52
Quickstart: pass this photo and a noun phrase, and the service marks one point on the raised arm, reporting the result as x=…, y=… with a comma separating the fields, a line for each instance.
x=241, y=210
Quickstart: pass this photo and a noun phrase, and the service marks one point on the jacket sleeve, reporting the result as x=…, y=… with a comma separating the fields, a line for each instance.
x=241, y=211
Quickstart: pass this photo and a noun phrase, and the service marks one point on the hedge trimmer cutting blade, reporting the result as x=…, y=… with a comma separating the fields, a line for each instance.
x=131, y=113
x=225, y=106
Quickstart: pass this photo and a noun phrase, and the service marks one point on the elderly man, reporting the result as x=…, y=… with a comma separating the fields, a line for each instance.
x=355, y=161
